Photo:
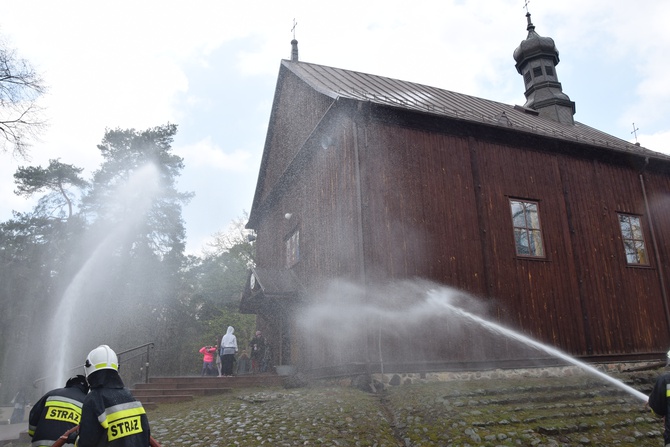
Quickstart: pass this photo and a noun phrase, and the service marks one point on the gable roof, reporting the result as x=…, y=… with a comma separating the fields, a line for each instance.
x=339, y=83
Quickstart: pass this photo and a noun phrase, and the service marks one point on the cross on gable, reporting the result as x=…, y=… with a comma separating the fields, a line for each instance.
x=634, y=132
x=293, y=29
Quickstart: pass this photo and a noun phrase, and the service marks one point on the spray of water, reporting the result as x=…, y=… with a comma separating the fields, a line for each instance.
x=437, y=298
x=345, y=312
x=78, y=324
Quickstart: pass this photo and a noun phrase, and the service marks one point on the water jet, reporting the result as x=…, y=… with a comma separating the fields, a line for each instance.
x=347, y=313
x=80, y=323
x=437, y=298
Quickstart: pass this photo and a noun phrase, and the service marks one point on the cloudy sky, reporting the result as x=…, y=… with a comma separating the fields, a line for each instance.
x=211, y=67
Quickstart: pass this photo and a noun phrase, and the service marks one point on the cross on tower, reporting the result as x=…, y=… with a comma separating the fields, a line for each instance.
x=634, y=132
x=293, y=29
x=525, y=5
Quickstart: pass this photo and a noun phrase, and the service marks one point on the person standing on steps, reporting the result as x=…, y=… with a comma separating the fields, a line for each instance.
x=257, y=348
x=208, y=353
x=57, y=411
x=228, y=351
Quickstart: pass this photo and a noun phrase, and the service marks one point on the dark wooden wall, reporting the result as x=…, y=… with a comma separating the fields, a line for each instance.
x=437, y=207
x=434, y=204
x=295, y=114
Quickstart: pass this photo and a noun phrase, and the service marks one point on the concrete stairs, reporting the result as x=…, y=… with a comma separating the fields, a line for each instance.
x=162, y=390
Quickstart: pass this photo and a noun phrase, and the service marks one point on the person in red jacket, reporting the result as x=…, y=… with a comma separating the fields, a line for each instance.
x=208, y=353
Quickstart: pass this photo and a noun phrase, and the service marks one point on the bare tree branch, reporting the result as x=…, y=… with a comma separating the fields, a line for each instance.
x=21, y=118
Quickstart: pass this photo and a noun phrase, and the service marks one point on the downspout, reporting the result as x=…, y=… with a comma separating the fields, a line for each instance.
x=361, y=254
x=359, y=205
x=657, y=256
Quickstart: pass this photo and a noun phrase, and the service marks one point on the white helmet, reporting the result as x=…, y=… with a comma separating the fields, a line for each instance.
x=102, y=357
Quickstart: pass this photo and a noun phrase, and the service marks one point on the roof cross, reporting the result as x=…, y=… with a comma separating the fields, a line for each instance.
x=634, y=132
x=293, y=29
x=525, y=5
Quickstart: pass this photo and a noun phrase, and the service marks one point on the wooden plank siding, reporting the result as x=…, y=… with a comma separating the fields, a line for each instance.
x=624, y=310
x=295, y=116
x=657, y=188
x=434, y=205
x=323, y=207
x=413, y=184
x=420, y=180
x=536, y=295
x=329, y=208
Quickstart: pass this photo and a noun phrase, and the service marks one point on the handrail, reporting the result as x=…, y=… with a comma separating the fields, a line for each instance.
x=148, y=346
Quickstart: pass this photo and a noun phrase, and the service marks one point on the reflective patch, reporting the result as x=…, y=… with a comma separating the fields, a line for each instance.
x=124, y=427
x=55, y=413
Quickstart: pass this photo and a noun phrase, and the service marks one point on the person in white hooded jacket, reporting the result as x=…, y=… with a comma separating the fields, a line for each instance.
x=228, y=351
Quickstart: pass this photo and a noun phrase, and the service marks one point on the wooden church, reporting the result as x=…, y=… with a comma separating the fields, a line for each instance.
x=561, y=230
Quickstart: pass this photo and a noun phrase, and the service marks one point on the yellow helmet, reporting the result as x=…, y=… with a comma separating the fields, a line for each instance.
x=102, y=357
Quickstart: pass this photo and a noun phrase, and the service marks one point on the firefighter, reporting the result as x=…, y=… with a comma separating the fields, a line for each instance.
x=659, y=402
x=110, y=415
x=56, y=412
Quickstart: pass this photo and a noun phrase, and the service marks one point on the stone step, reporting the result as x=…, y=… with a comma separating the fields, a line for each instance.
x=161, y=390
x=193, y=382
x=151, y=392
x=153, y=401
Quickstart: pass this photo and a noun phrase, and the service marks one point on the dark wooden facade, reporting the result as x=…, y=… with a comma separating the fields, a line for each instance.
x=383, y=190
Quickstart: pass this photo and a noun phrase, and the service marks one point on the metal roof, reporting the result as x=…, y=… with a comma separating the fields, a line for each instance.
x=336, y=82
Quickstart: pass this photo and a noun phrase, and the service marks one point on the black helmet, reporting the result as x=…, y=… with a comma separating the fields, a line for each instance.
x=79, y=381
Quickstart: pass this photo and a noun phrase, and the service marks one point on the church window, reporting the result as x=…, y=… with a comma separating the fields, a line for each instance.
x=527, y=230
x=633, y=239
x=293, y=249
x=526, y=77
x=549, y=70
x=537, y=71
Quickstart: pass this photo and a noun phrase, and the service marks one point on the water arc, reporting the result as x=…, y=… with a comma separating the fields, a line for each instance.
x=435, y=298
x=69, y=337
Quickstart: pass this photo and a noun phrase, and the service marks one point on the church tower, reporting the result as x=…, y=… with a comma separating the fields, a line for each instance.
x=536, y=59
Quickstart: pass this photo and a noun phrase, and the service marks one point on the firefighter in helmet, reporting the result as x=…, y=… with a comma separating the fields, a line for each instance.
x=56, y=412
x=110, y=415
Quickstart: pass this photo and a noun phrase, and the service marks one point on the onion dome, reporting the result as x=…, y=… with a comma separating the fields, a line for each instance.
x=534, y=46
x=536, y=59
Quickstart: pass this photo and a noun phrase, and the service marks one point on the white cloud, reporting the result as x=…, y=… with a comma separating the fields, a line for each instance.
x=205, y=153
x=659, y=142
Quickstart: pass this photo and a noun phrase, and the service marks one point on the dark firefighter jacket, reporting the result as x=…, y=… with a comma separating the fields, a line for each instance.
x=659, y=402
x=110, y=415
x=55, y=413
